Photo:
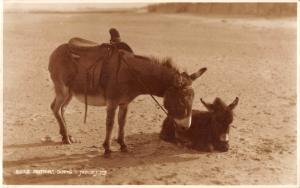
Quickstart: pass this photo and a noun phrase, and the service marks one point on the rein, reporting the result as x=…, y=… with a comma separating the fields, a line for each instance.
x=88, y=83
x=131, y=71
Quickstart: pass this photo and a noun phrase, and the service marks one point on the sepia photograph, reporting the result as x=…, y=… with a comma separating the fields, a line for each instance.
x=149, y=93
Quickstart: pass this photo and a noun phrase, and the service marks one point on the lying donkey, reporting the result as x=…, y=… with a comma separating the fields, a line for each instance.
x=209, y=129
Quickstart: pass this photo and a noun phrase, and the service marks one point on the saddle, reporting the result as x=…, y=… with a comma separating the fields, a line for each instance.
x=81, y=43
x=88, y=57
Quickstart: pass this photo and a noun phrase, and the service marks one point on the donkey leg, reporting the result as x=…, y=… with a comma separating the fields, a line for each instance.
x=62, y=111
x=110, y=116
x=64, y=105
x=56, y=106
x=122, y=120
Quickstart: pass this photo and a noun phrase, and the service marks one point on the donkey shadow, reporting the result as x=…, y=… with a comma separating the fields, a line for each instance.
x=32, y=145
x=145, y=149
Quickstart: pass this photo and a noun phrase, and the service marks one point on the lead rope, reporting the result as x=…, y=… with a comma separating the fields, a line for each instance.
x=142, y=84
x=85, y=95
x=145, y=88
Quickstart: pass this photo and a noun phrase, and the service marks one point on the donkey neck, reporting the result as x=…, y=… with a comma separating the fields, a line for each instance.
x=156, y=77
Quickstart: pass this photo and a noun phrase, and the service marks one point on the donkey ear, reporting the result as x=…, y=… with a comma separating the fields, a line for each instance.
x=186, y=81
x=209, y=107
x=233, y=104
x=197, y=74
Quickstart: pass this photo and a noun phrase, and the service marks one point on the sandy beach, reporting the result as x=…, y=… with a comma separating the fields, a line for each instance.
x=250, y=58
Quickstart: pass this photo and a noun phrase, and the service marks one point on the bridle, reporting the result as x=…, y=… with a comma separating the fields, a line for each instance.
x=131, y=71
x=137, y=79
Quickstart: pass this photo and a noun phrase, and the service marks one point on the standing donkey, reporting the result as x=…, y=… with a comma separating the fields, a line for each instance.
x=123, y=77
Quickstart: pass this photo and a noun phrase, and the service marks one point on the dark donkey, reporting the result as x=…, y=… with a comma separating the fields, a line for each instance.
x=119, y=86
x=209, y=129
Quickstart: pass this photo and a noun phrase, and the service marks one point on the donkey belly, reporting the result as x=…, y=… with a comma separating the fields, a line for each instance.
x=93, y=100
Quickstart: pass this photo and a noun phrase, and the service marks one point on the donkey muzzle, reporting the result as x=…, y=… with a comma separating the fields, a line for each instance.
x=223, y=144
x=224, y=137
x=183, y=123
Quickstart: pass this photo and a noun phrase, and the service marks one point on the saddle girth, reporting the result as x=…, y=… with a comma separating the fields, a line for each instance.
x=88, y=63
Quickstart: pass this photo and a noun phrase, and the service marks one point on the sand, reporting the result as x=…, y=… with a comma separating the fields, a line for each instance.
x=252, y=58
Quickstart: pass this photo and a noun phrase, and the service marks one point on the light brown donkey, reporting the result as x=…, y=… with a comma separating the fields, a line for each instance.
x=123, y=77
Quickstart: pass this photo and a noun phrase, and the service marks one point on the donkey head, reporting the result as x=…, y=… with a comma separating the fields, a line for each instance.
x=222, y=117
x=178, y=99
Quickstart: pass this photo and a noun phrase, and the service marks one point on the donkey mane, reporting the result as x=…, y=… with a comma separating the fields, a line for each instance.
x=165, y=62
x=219, y=103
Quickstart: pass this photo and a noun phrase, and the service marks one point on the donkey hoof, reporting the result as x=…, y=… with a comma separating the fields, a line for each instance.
x=124, y=149
x=67, y=140
x=73, y=140
x=107, y=154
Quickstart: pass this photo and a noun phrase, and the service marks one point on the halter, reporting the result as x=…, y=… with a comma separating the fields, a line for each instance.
x=131, y=71
x=142, y=84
